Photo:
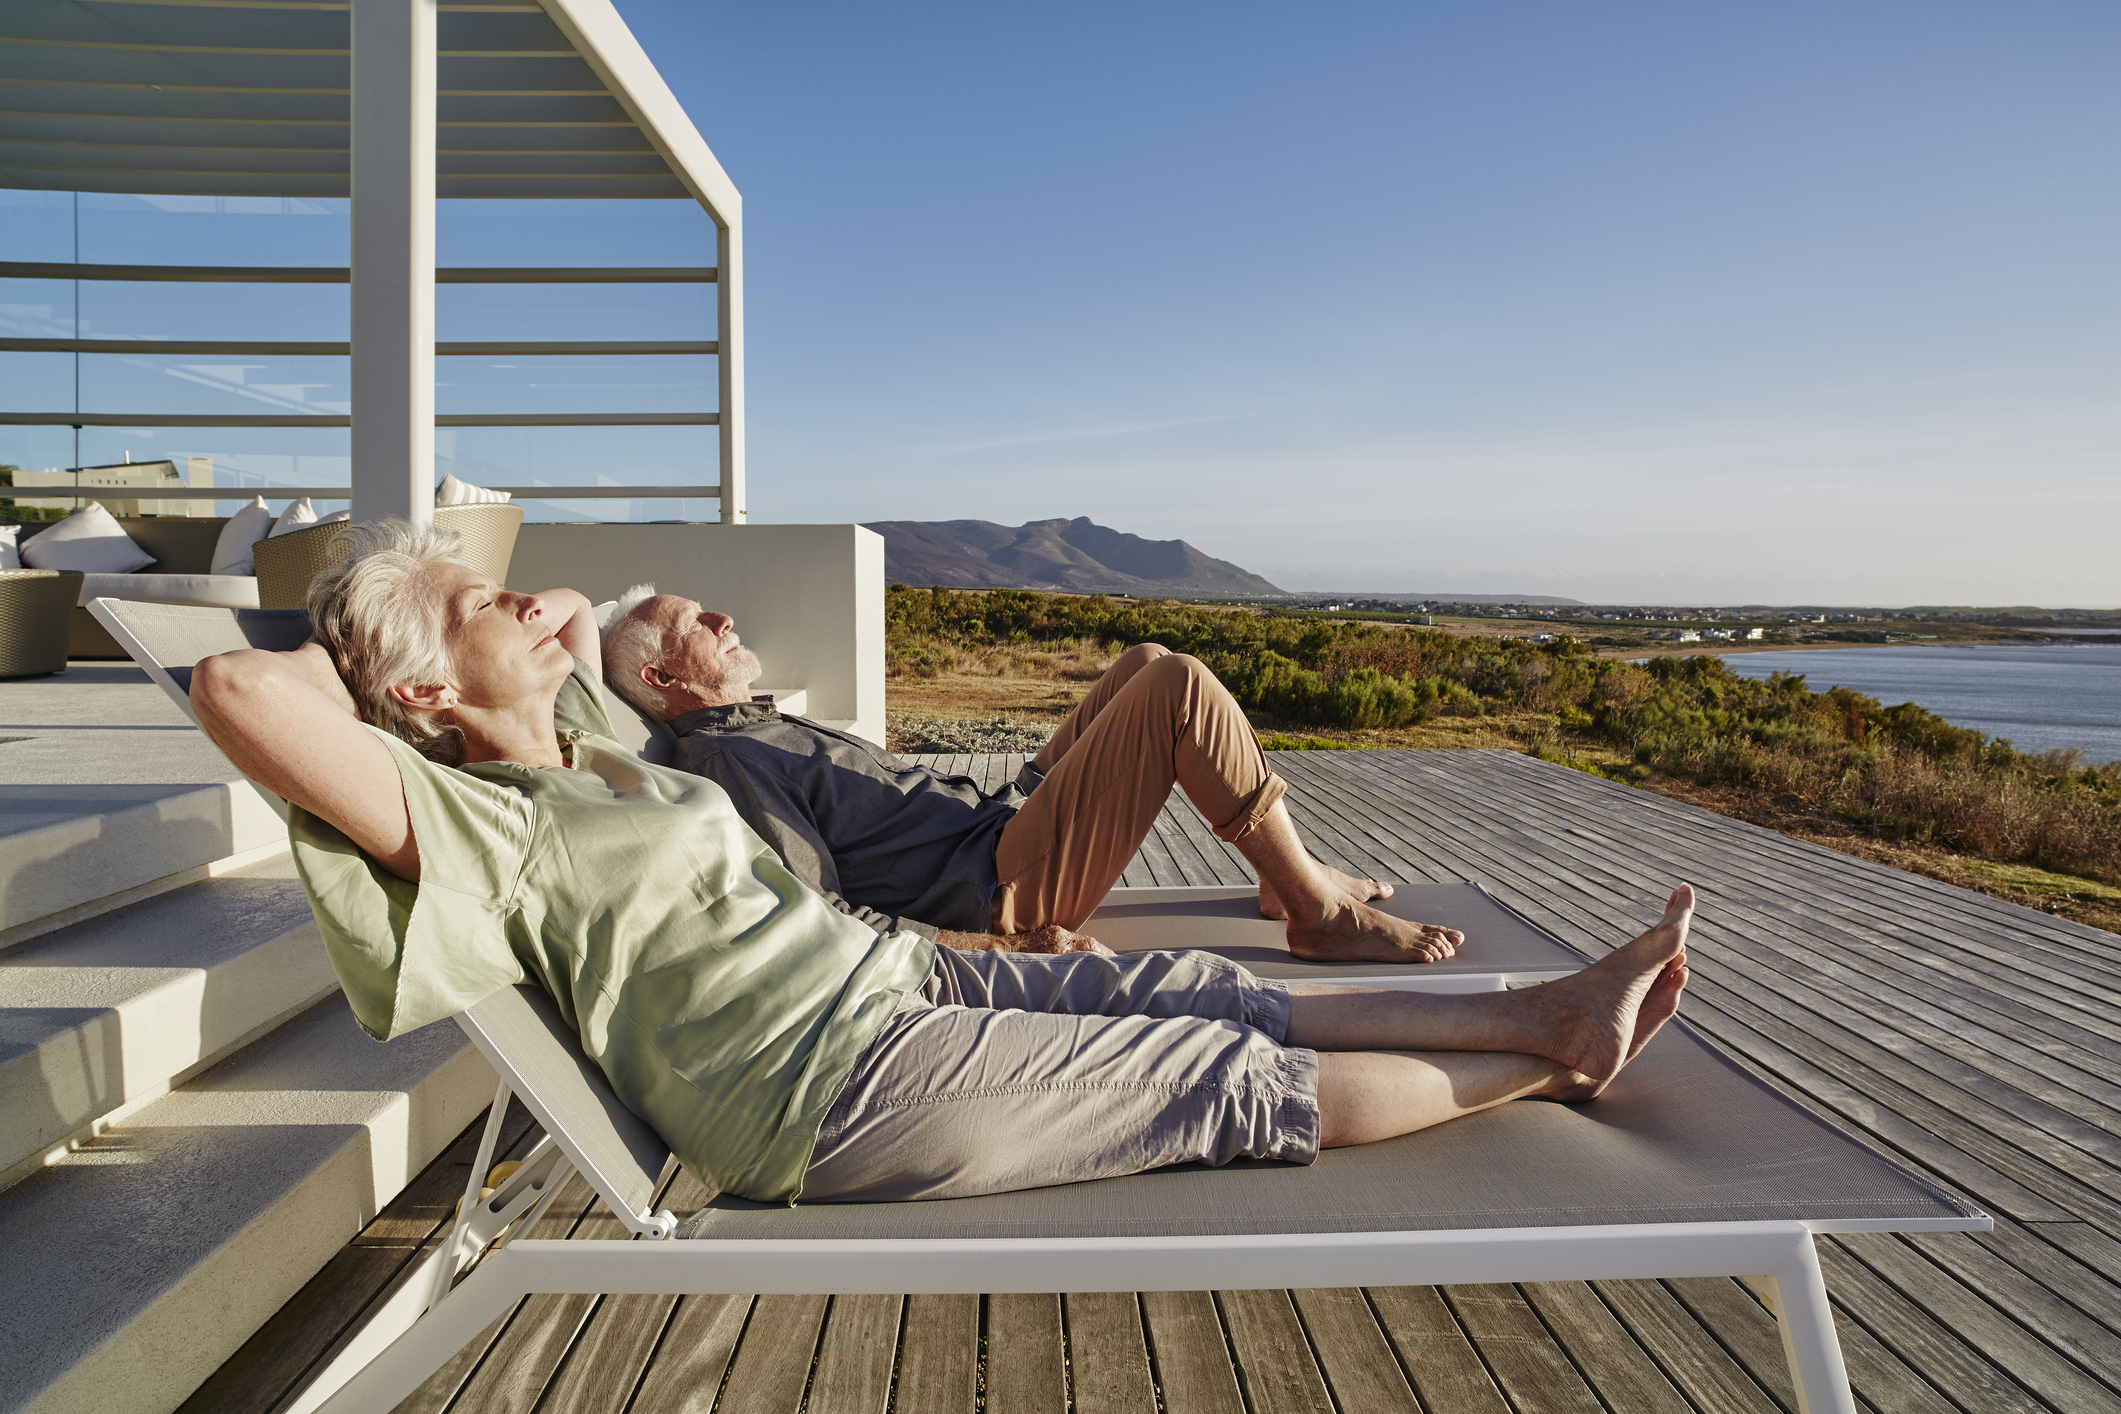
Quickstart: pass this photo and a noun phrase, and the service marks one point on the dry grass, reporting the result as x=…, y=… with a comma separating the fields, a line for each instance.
x=2086, y=901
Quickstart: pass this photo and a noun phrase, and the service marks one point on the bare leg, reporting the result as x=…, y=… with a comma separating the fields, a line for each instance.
x=1361, y=890
x=1329, y=920
x=1590, y=1024
x=1371, y=1095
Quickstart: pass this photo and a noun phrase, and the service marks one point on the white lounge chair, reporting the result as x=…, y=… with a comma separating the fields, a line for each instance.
x=1687, y=1166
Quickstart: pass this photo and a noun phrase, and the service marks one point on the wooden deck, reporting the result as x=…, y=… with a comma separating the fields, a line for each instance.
x=1971, y=1039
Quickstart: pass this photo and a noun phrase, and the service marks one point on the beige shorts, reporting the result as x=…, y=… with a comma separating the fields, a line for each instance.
x=1014, y=1070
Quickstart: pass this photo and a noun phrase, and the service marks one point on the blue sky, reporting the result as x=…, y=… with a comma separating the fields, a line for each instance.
x=1671, y=302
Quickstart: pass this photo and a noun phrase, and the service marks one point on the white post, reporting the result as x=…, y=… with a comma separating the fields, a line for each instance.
x=729, y=259
x=393, y=258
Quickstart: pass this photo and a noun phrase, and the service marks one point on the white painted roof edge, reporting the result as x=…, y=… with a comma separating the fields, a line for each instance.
x=594, y=28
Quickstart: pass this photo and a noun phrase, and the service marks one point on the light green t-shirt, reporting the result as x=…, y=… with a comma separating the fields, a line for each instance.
x=726, y=1002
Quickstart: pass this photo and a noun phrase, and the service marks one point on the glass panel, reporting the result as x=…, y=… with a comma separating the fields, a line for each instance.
x=36, y=382
x=214, y=230
x=126, y=309
x=512, y=232
x=588, y=456
x=242, y=456
x=35, y=449
x=201, y=385
x=39, y=225
x=526, y=312
x=648, y=383
x=37, y=309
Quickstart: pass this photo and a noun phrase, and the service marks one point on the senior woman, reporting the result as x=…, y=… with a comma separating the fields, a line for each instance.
x=463, y=821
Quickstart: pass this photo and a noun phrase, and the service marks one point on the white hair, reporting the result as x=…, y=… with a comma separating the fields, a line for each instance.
x=378, y=616
x=630, y=644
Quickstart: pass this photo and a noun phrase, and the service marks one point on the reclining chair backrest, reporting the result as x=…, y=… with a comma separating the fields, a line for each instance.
x=168, y=640
x=519, y=1029
x=522, y=1034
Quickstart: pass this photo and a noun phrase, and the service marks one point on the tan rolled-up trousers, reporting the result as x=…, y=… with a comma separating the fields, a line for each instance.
x=1157, y=718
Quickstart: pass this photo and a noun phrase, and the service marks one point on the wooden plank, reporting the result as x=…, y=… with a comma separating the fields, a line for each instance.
x=2082, y=1332
x=687, y=1371
x=438, y=1389
x=1360, y=1368
x=1990, y=1335
x=1533, y=1372
x=1434, y=1352
x=1194, y=1369
x=773, y=1360
x=1274, y=1360
x=523, y=1347
x=855, y=1357
x=513, y=1378
x=1026, y=1373
x=1914, y=1335
x=1186, y=831
x=1911, y=895
x=610, y=1356
x=1108, y=1358
x=268, y=1370
x=1602, y=1350
x=939, y=1356
x=1914, y=991
x=1692, y=1358
x=1873, y=900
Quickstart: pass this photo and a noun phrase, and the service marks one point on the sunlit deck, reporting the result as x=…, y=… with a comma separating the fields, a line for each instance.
x=1970, y=1039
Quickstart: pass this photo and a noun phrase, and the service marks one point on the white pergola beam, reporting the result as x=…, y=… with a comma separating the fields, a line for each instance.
x=393, y=293
x=597, y=33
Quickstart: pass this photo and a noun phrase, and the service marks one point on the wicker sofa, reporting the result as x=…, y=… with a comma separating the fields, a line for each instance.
x=183, y=548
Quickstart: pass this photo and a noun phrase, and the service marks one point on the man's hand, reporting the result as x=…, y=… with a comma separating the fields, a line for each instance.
x=1052, y=938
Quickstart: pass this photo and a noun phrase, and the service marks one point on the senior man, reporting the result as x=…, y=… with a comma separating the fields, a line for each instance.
x=899, y=845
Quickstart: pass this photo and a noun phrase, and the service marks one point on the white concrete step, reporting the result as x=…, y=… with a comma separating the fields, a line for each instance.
x=108, y=793
x=106, y=1014
x=136, y=1266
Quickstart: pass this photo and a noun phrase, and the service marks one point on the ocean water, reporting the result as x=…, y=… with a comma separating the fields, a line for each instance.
x=2041, y=696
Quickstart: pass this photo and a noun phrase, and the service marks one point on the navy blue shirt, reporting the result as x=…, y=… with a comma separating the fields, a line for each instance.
x=892, y=843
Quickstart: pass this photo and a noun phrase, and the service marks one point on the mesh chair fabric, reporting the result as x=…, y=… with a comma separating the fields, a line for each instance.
x=522, y=1031
x=1684, y=1136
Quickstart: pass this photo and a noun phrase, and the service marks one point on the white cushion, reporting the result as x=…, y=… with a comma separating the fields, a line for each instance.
x=10, y=556
x=335, y=517
x=453, y=492
x=244, y=529
x=299, y=516
x=90, y=539
x=213, y=591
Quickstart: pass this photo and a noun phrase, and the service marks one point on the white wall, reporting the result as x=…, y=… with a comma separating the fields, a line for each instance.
x=808, y=599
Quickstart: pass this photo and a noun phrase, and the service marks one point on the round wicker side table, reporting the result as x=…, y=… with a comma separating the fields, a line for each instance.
x=36, y=611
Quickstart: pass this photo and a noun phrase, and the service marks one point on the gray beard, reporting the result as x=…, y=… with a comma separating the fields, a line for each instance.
x=739, y=669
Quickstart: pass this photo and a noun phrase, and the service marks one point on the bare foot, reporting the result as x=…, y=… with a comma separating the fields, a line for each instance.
x=1350, y=931
x=1361, y=890
x=1658, y=1006
x=1601, y=1018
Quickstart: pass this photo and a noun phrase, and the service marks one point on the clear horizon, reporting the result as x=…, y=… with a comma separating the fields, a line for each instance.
x=1642, y=304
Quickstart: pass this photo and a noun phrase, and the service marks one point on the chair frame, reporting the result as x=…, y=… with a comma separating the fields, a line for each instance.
x=433, y=1314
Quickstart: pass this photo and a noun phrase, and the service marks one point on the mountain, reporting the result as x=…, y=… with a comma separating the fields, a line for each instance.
x=1074, y=556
